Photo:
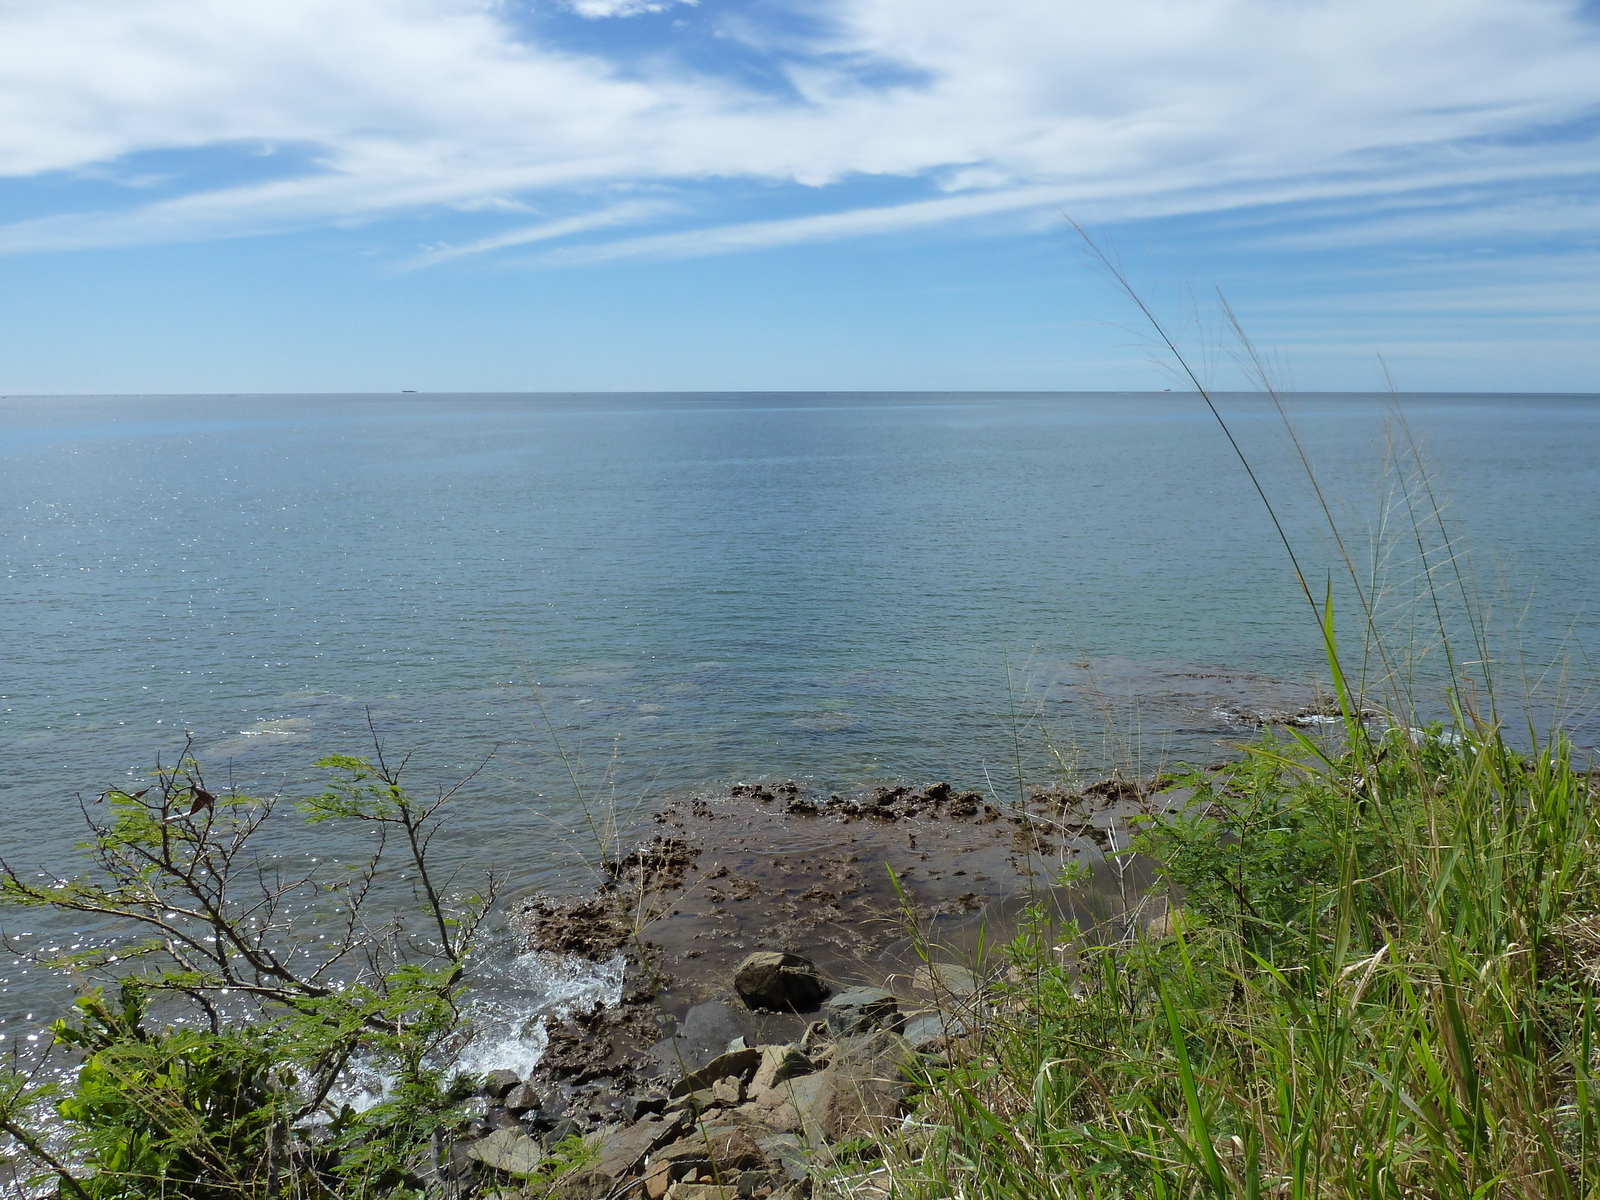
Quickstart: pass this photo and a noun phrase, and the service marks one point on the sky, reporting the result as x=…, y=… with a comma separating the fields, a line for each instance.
x=568, y=195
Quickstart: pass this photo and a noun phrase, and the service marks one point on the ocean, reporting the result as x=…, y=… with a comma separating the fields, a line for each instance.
x=618, y=599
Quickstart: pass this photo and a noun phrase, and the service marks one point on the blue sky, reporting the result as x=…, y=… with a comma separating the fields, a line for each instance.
x=367, y=195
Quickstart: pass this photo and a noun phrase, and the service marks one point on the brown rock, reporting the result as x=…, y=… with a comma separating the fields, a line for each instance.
x=860, y=1091
x=738, y=1063
x=585, y=1185
x=620, y=1150
x=779, y=1063
x=726, y=1149
x=658, y=1179
x=702, y=1191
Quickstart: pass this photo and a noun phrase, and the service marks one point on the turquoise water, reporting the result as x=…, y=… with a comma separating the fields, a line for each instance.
x=690, y=589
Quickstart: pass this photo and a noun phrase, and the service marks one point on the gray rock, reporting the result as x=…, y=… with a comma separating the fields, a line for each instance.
x=704, y=1034
x=497, y=1083
x=779, y=982
x=789, y=1152
x=945, y=979
x=521, y=1099
x=499, y=1118
x=508, y=1150
x=928, y=1035
x=861, y=1010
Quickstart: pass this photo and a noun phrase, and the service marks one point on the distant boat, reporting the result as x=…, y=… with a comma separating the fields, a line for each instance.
x=408, y=391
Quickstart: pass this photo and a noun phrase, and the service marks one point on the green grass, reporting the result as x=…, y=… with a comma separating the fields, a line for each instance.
x=1378, y=984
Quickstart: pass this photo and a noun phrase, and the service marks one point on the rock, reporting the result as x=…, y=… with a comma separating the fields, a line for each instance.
x=657, y=1179
x=692, y=1103
x=704, y=1034
x=771, y=1110
x=738, y=1043
x=740, y=1064
x=508, y=1150
x=861, y=1010
x=929, y=1034
x=702, y=1191
x=858, y=1093
x=945, y=979
x=500, y=1118
x=561, y=1130
x=789, y=1152
x=634, y=1107
x=585, y=1185
x=497, y=1083
x=620, y=1150
x=722, y=1153
x=779, y=982
x=729, y=1091
x=779, y=1063
x=521, y=1099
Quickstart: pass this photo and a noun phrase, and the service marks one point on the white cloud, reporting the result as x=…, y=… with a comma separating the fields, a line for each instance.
x=1141, y=106
x=621, y=8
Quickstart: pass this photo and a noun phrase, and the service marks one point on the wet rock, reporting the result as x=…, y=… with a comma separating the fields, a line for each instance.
x=561, y=1130
x=497, y=1083
x=779, y=982
x=520, y=1099
x=860, y=1010
x=508, y=1150
x=635, y=1107
x=499, y=1118
x=595, y=926
x=703, y=1034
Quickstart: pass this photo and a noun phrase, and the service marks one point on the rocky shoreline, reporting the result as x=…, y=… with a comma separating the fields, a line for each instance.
x=794, y=962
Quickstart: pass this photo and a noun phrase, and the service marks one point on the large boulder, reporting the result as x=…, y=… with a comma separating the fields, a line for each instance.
x=779, y=982
x=861, y=1090
x=508, y=1150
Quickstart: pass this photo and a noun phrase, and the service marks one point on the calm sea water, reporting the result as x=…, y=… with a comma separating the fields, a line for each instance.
x=683, y=590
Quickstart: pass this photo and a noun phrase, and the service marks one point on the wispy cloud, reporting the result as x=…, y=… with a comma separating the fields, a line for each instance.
x=617, y=214
x=1007, y=107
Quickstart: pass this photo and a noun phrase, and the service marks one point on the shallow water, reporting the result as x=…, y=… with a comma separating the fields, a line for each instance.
x=651, y=593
